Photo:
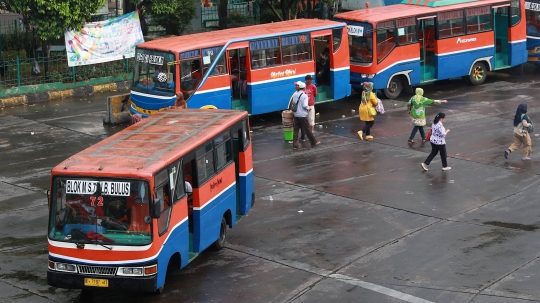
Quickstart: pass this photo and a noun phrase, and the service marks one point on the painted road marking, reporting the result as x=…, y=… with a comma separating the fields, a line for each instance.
x=327, y=274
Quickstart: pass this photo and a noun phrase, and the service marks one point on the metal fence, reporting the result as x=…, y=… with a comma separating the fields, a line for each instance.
x=16, y=71
x=239, y=13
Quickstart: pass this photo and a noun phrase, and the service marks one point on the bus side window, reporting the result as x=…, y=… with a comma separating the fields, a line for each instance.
x=205, y=163
x=163, y=193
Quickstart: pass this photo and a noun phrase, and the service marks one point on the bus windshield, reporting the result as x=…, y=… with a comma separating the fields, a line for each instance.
x=152, y=73
x=533, y=22
x=104, y=211
x=361, y=42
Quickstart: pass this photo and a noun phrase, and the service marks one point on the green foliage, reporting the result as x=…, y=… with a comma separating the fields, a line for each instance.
x=174, y=15
x=237, y=18
x=53, y=17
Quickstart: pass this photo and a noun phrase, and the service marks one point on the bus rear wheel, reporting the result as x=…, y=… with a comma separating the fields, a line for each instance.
x=220, y=242
x=478, y=73
x=394, y=88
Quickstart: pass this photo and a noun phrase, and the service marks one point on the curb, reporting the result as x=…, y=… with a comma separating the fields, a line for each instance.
x=61, y=94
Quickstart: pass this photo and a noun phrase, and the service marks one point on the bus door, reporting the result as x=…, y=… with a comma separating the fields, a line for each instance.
x=501, y=21
x=322, y=55
x=426, y=39
x=237, y=70
x=188, y=171
x=243, y=167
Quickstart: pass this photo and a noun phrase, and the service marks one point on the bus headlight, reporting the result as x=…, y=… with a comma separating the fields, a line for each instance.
x=371, y=76
x=537, y=50
x=62, y=267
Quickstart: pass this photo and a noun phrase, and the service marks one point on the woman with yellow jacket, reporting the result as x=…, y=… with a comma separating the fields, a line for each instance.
x=367, y=110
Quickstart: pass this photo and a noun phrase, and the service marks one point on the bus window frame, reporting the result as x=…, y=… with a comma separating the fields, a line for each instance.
x=376, y=29
x=222, y=143
x=337, y=37
x=307, y=51
x=198, y=157
x=246, y=139
x=414, y=40
x=463, y=24
x=157, y=187
x=176, y=165
x=206, y=67
x=490, y=13
x=274, y=57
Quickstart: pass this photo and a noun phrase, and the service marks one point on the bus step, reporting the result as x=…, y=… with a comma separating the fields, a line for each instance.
x=240, y=105
x=239, y=217
x=191, y=256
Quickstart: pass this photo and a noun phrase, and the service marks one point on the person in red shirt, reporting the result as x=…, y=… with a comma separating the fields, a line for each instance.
x=311, y=92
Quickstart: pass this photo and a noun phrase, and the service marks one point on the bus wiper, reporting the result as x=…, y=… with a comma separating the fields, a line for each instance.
x=79, y=234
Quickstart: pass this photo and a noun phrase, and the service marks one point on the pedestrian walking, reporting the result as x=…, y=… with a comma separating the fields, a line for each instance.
x=522, y=127
x=299, y=105
x=438, y=142
x=366, y=110
x=417, y=109
x=311, y=91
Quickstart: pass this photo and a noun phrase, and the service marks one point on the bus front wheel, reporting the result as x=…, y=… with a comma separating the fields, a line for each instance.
x=220, y=242
x=478, y=73
x=394, y=88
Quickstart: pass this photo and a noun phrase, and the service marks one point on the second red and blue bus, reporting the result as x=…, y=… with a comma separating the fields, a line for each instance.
x=251, y=68
x=401, y=46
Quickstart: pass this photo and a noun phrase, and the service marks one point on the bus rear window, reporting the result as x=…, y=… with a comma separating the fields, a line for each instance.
x=153, y=74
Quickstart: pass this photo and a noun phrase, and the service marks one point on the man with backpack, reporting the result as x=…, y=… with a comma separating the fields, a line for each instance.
x=299, y=105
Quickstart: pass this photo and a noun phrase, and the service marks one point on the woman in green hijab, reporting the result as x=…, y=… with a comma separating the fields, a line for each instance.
x=417, y=109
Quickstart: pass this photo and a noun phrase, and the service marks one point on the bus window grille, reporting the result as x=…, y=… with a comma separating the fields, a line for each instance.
x=97, y=270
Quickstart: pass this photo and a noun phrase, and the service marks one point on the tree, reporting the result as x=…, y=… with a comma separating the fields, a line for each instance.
x=174, y=15
x=52, y=17
x=290, y=9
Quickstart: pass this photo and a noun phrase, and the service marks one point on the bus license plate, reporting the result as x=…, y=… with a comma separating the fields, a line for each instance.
x=96, y=282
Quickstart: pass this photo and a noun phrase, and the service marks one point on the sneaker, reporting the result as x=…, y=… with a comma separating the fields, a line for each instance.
x=424, y=140
x=302, y=139
x=369, y=138
x=446, y=168
x=506, y=154
x=360, y=135
x=526, y=159
x=410, y=141
x=424, y=166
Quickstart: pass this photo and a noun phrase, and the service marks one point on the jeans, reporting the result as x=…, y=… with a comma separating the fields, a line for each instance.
x=434, y=150
x=415, y=129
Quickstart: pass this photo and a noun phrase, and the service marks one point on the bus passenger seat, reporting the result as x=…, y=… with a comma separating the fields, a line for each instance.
x=138, y=211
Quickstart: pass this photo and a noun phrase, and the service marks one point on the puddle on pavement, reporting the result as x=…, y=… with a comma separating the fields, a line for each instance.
x=21, y=275
x=513, y=225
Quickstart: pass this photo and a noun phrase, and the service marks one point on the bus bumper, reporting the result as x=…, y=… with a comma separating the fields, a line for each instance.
x=76, y=281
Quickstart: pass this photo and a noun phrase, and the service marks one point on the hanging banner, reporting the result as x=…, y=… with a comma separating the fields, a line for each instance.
x=104, y=41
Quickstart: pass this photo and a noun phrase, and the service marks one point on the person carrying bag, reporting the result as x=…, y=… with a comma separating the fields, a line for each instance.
x=367, y=111
x=522, y=127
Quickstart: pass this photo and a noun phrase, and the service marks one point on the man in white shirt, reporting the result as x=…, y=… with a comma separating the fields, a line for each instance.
x=300, y=100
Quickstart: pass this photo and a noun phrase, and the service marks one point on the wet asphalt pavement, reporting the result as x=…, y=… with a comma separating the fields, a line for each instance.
x=347, y=221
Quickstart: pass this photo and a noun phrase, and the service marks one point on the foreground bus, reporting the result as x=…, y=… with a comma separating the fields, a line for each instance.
x=250, y=68
x=148, y=199
x=404, y=45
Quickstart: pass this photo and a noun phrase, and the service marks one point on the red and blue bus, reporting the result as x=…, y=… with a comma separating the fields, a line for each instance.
x=250, y=68
x=532, y=9
x=148, y=199
x=404, y=45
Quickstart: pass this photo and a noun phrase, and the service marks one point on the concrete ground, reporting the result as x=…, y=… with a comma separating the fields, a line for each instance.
x=347, y=221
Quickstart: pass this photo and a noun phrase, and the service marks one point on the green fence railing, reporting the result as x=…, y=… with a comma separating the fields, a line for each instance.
x=238, y=13
x=16, y=71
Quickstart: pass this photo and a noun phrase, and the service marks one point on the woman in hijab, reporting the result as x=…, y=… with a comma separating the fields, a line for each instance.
x=417, y=109
x=367, y=110
x=522, y=127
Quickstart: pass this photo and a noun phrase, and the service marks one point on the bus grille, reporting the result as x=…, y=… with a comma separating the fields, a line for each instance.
x=97, y=270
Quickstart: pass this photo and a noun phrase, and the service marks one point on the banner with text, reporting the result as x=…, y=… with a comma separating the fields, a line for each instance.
x=104, y=41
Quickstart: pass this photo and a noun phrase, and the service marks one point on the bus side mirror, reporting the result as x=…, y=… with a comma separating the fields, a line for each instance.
x=157, y=207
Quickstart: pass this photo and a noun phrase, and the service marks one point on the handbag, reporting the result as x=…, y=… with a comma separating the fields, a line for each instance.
x=530, y=128
x=379, y=107
x=428, y=135
x=372, y=112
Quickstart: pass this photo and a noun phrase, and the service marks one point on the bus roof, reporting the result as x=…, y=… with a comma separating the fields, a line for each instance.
x=396, y=11
x=146, y=147
x=220, y=37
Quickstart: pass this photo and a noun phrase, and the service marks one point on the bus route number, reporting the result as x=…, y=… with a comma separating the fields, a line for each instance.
x=355, y=30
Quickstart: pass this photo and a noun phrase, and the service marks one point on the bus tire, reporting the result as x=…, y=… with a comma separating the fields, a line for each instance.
x=86, y=295
x=220, y=242
x=394, y=88
x=478, y=73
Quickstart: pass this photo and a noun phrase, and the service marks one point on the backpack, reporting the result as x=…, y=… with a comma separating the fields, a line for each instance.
x=35, y=68
x=294, y=105
x=379, y=107
x=530, y=129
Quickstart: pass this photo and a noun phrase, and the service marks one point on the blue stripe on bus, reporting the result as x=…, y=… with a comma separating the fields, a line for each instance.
x=447, y=68
x=532, y=43
x=150, y=103
x=207, y=221
x=219, y=98
x=518, y=53
x=246, y=192
x=178, y=241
